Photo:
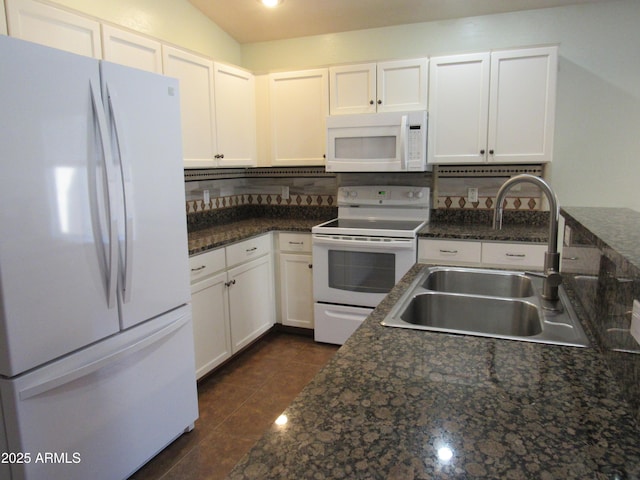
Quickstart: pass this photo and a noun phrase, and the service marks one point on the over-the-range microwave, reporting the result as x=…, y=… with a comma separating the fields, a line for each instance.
x=377, y=142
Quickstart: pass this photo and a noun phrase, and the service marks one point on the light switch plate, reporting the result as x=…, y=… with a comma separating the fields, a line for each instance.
x=635, y=321
x=472, y=194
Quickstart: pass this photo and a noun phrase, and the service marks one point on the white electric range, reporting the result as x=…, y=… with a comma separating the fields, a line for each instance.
x=359, y=256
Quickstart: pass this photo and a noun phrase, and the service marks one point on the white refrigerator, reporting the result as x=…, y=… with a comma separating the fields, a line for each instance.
x=96, y=348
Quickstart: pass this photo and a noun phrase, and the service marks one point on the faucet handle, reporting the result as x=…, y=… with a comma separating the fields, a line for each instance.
x=553, y=278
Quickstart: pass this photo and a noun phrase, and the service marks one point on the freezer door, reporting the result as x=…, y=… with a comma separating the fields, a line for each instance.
x=106, y=410
x=144, y=116
x=55, y=245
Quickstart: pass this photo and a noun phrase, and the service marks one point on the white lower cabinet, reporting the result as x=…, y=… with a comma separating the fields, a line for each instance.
x=473, y=253
x=296, y=280
x=231, y=306
x=211, y=335
x=251, y=301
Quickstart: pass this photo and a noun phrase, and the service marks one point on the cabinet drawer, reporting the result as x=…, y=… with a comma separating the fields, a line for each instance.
x=515, y=255
x=248, y=249
x=206, y=264
x=449, y=251
x=295, y=242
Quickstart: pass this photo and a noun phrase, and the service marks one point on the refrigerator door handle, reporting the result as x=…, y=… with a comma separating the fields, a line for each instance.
x=128, y=349
x=112, y=262
x=125, y=168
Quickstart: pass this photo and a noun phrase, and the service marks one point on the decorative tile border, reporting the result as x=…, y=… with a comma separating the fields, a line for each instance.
x=294, y=200
x=488, y=203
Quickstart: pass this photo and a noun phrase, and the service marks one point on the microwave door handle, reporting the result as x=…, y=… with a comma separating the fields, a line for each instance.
x=403, y=143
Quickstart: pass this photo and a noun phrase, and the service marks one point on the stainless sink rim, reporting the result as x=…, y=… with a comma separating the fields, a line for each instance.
x=558, y=328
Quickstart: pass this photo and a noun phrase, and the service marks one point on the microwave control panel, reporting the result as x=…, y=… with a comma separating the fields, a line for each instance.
x=415, y=147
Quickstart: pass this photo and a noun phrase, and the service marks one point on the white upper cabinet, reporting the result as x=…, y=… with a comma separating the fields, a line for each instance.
x=197, y=107
x=3, y=20
x=235, y=103
x=53, y=27
x=40, y=23
x=458, y=108
x=127, y=48
x=497, y=107
x=393, y=86
x=522, y=106
x=298, y=105
x=352, y=89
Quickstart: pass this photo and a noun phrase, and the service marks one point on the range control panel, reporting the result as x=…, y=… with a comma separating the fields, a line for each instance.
x=390, y=195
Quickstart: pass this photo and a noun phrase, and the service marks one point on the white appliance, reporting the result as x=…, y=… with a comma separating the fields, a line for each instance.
x=377, y=142
x=361, y=255
x=96, y=346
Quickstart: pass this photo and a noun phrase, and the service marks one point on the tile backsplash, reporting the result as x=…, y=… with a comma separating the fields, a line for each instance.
x=312, y=186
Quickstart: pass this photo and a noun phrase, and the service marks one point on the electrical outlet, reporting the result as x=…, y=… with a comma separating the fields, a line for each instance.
x=285, y=193
x=472, y=194
x=206, y=197
x=635, y=321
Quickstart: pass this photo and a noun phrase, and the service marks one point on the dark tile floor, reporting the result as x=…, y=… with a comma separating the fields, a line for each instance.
x=237, y=404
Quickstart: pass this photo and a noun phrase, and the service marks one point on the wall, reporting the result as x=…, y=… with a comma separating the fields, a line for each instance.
x=597, y=144
x=173, y=21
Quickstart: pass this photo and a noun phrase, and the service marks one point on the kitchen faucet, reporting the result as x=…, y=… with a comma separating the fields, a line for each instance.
x=552, y=277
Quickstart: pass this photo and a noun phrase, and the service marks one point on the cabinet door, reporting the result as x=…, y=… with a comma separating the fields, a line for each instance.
x=296, y=281
x=299, y=104
x=458, y=108
x=3, y=22
x=352, y=89
x=53, y=27
x=126, y=48
x=211, y=332
x=235, y=101
x=251, y=301
x=402, y=85
x=195, y=74
x=522, y=109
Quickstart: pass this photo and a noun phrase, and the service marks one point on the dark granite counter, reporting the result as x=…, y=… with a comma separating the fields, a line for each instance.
x=395, y=404
x=224, y=234
x=508, y=233
x=617, y=229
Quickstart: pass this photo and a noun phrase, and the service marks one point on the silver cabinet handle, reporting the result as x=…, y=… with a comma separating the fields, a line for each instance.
x=571, y=258
x=516, y=255
x=454, y=252
x=296, y=243
x=201, y=267
x=251, y=249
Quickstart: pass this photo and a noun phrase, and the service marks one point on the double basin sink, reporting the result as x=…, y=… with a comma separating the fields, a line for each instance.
x=489, y=303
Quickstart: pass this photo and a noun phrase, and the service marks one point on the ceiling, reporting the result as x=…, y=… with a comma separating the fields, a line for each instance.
x=247, y=21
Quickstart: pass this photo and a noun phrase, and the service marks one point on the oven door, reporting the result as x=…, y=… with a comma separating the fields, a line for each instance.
x=359, y=270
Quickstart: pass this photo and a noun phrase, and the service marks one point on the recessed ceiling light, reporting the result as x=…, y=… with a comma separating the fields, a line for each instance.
x=271, y=3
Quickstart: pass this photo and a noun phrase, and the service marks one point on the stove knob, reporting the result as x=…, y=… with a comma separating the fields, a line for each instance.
x=353, y=194
x=419, y=194
x=410, y=194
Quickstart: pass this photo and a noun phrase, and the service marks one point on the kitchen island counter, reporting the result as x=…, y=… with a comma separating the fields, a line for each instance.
x=406, y=404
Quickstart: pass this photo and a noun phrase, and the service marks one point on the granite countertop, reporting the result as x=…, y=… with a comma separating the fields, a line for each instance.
x=508, y=233
x=391, y=399
x=224, y=234
x=615, y=228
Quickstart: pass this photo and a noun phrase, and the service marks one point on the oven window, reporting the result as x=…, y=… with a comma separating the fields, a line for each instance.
x=362, y=271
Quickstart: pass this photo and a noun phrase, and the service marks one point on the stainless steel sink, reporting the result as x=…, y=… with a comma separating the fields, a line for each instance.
x=467, y=314
x=488, y=303
x=480, y=282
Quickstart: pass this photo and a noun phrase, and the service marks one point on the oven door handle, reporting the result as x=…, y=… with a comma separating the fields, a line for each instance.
x=389, y=244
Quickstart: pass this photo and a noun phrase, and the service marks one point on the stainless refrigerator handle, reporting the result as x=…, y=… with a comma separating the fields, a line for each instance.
x=112, y=261
x=125, y=168
x=83, y=371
